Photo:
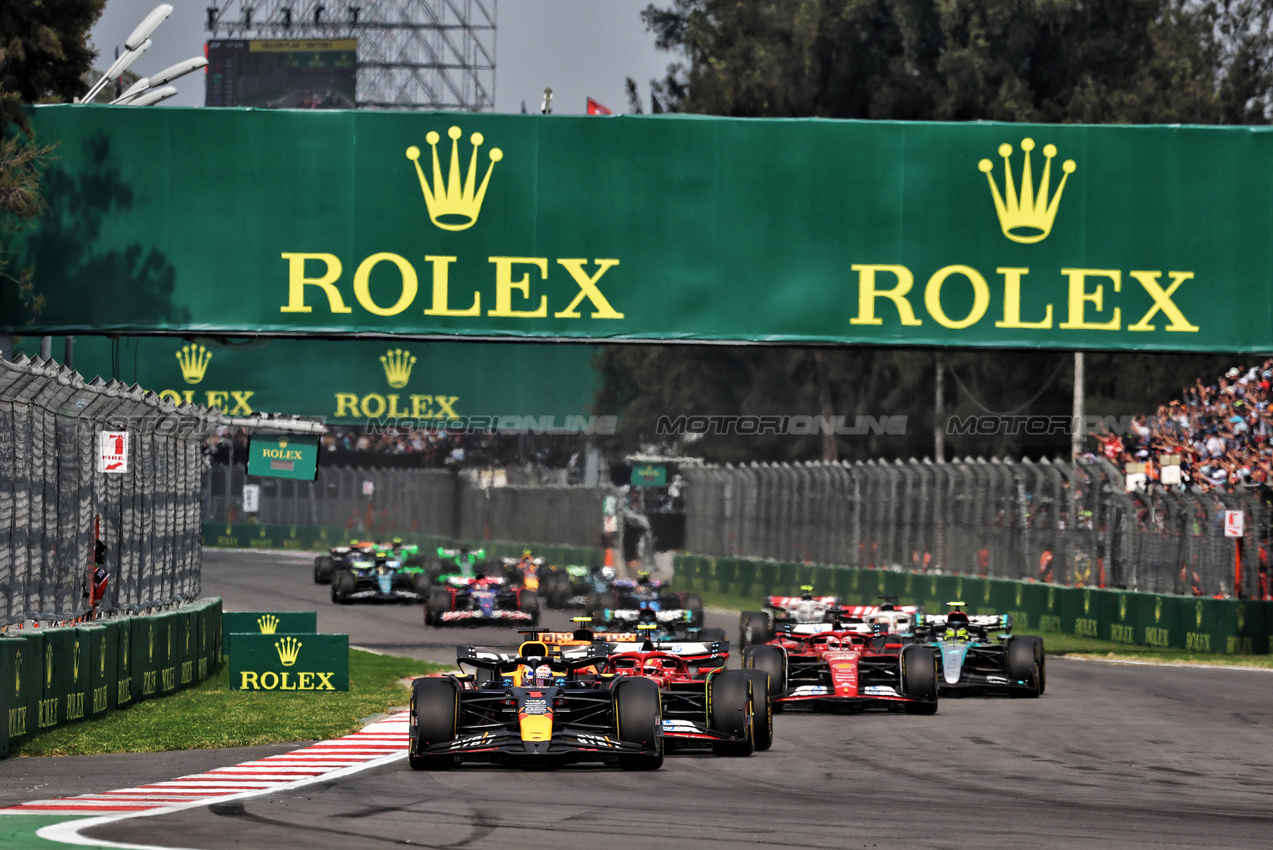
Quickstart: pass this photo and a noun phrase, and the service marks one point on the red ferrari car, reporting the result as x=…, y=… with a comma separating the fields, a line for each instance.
x=703, y=705
x=826, y=665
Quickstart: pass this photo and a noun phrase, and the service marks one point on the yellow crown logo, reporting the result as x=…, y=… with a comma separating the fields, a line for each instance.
x=397, y=365
x=75, y=663
x=48, y=665
x=194, y=361
x=288, y=650
x=268, y=624
x=1026, y=216
x=282, y=442
x=454, y=206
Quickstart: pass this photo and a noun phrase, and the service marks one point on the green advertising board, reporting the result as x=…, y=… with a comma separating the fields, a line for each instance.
x=306, y=663
x=649, y=475
x=651, y=228
x=356, y=381
x=283, y=456
x=266, y=623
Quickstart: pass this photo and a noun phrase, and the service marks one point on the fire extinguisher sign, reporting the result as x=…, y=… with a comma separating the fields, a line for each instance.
x=112, y=451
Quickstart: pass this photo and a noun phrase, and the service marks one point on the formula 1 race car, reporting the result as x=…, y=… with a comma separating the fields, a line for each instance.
x=627, y=604
x=534, y=708
x=337, y=558
x=854, y=666
x=480, y=600
x=760, y=626
x=703, y=704
x=970, y=661
x=377, y=576
x=569, y=586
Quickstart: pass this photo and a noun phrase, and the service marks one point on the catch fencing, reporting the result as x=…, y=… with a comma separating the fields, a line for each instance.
x=1070, y=524
x=52, y=496
x=453, y=504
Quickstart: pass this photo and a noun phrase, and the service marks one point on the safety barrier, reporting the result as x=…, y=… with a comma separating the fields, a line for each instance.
x=53, y=498
x=443, y=503
x=319, y=539
x=1069, y=523
x=54, y=676
x=1170, y=622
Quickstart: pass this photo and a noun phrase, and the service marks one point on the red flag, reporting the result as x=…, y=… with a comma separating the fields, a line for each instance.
x=595, y=108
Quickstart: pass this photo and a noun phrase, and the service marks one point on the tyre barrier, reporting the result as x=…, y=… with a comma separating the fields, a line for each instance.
x=1232, y=626
x=53, y=676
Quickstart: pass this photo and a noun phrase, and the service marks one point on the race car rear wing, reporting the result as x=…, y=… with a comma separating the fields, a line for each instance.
x=806, y=629
x=485, y=658
x=691, y=651
x=1001, y=622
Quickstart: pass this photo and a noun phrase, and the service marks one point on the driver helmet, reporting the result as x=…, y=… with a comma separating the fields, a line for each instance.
x=608, y=573
x=806, y=592
x=956, y=632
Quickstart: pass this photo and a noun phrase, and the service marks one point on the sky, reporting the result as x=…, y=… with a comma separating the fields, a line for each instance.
x=581, y=48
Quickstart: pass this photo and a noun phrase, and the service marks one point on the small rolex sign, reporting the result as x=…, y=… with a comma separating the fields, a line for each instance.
x=283, y=456
x=112, y=451
x=289, y=662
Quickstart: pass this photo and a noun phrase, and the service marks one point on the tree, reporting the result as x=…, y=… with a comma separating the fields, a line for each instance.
x=1116, y=61
x=44, y=55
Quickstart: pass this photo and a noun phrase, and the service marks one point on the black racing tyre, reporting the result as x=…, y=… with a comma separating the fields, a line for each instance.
x=1042, y=657
x=729, y=701
x=1023, y=665
x=773, y=661
x=754, y=627
x=598, y=603
x=437, y=603
x=530, y=605
x=919, y=678
x=694, y=604
x=323, y=569
x=762, y=710
x=420, y=583
x=712, y=635
x=343, y=584
x=638, y=711
x=557, y=593
x=435, y=705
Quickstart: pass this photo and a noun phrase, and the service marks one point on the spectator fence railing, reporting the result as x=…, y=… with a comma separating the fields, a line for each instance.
x=446, y=503
x=52, y=496
x=1071, y=524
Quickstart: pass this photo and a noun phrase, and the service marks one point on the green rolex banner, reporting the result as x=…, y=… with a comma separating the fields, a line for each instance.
x=652, y=228
x=515, y=387
x=266, y=623
x=290, y=662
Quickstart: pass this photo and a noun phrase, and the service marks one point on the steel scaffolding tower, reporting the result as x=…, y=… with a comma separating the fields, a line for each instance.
x=412, y=54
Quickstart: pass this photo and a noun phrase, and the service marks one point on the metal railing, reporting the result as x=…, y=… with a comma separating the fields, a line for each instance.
x=52, y=496
x=446, y=503
x=1072, y=524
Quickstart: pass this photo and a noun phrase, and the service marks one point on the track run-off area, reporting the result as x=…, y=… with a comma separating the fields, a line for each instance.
x=1114, y=755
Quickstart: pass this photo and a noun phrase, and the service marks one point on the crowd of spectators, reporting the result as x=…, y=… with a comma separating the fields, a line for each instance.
x=418, y=448
x=1222, y=434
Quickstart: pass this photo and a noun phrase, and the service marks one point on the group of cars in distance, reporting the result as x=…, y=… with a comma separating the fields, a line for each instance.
x=641, y=674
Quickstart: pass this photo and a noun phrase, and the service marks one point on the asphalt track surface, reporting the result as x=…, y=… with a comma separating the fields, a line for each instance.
x=1113, y=755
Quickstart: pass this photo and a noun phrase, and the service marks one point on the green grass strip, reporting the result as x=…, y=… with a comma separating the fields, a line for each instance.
x=1056, y=643
x=18, y=832
x=211, y=716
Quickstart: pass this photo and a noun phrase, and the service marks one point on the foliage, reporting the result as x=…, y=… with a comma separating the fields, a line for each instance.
x=44, y=55
x=1051, y=61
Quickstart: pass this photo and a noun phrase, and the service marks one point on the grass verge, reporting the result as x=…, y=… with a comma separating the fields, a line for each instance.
x=211, y=716
x=1057, y=643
